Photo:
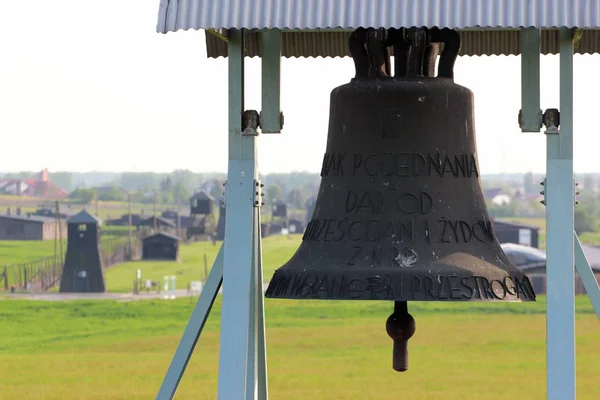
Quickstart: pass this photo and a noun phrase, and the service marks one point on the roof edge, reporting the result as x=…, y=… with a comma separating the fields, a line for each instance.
x=162, y=29
x=334, y=44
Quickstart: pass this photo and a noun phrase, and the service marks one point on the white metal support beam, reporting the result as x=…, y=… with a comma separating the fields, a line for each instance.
x=256, y=387
x=242, y=292
x=192, y=331
x=243, y=361
x=261, y=351
x=587, y=276
x=530, y=117
x=271, y=118
x=560, y=274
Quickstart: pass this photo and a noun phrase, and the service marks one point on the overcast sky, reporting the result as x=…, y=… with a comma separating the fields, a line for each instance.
x=91, y=86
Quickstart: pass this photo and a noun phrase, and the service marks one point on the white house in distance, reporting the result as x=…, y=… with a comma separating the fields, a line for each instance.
x=497, y=197
x=501, y=199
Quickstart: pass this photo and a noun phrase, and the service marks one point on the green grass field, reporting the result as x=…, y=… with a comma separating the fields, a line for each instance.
x=21, y=251
x=316, y=350
x=14, y=253
x=276, y=251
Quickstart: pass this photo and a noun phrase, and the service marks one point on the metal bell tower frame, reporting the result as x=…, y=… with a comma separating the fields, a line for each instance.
x=242, y=364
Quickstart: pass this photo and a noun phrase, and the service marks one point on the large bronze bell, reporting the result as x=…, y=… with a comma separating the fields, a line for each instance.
x=400, y=214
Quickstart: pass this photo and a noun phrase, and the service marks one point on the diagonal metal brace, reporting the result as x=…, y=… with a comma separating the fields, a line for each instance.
x=192, y=331
x=587, y=276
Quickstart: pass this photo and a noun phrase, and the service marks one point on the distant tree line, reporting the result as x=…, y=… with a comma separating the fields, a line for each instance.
x=178, y=186
x=296, y=188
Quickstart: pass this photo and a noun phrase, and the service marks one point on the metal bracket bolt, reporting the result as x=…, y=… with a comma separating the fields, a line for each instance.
x=224, y=190
x=543, y=192
x=258, y=194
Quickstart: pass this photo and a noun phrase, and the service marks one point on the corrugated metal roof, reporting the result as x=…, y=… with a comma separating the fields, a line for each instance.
x=314, y=14
x=36, y=219
x=335, y=44
x=162, y=234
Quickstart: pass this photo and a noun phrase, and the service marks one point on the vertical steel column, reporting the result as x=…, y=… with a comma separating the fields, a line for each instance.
x=261, y=350
x=271, y=120
x=238, y=326
x=560, y=199
x=531, y=115
x=256, y=375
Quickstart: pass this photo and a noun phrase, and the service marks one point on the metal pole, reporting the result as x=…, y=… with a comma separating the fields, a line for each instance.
x=560, y=199
x=154, y=210
x=205, y=268
x=256, y=375
x=129, y=227
x=192, y=331
x=261, y=350
x=237, y=325
x=178, y=210
x=270, y=115
x=531, y=115
x=60, y=243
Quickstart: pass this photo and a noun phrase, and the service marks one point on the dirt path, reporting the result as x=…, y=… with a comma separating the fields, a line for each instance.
x=94, y=296
x=99, y=296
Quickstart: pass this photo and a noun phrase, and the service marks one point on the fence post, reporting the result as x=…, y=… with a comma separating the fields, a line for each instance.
x=205, y=268
x=15, y=275
x=5, y=277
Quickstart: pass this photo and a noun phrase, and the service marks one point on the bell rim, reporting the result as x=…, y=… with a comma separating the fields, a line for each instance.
x=368, y=284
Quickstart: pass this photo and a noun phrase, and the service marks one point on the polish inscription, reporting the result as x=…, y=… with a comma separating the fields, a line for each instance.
x=404, y=287
x=375, y=202
x=383, y=225
x=368, y=234
x=401, y=164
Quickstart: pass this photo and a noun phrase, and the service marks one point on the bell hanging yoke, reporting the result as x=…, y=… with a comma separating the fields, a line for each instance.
x=400, y=214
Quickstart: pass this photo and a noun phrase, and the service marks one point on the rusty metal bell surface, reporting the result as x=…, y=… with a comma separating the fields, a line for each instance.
x=400, y=214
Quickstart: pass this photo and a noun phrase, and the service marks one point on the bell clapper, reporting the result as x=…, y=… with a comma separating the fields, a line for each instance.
x=401, y=327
